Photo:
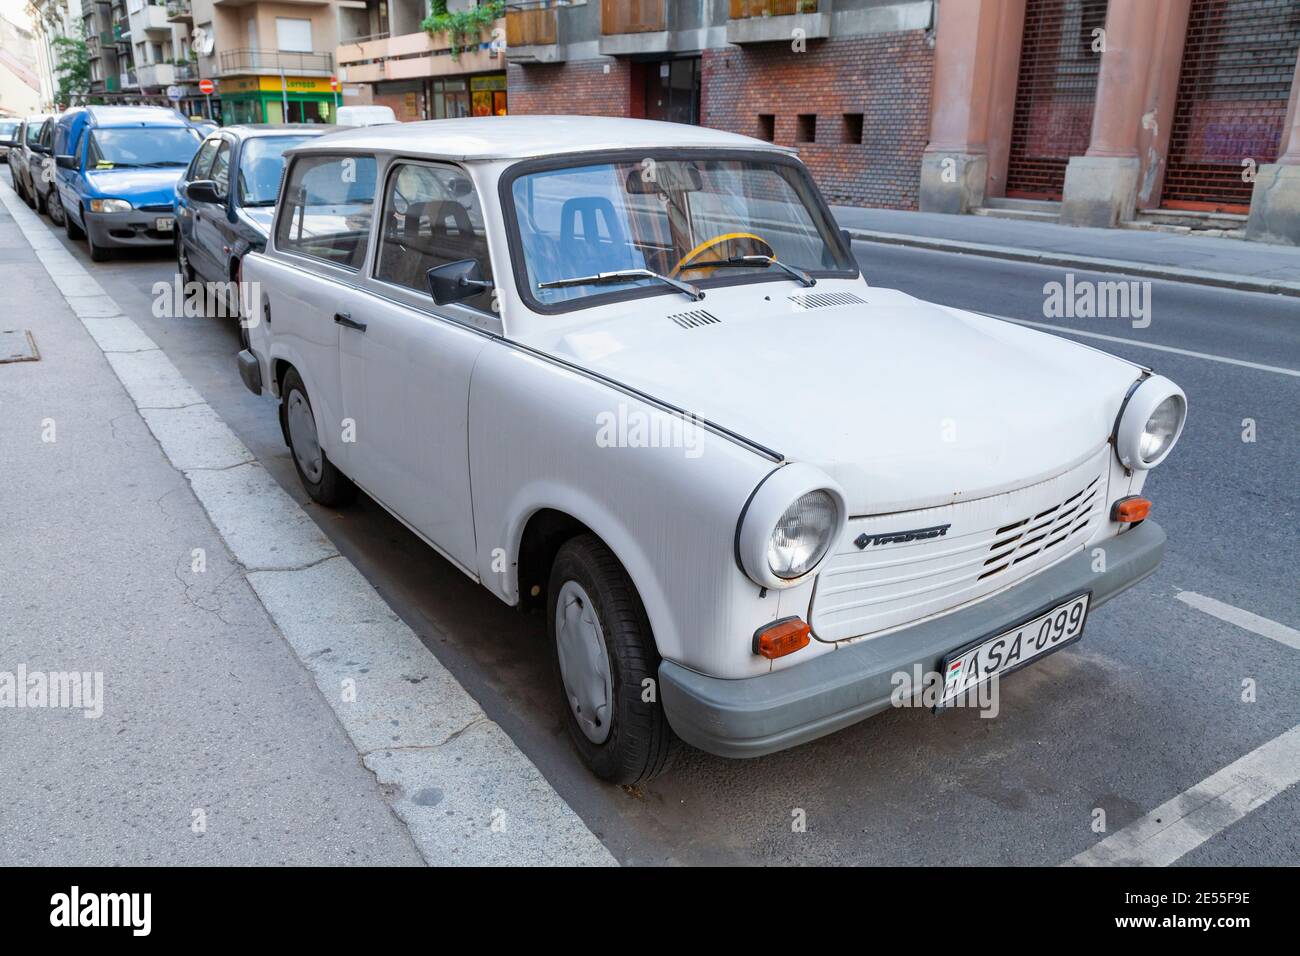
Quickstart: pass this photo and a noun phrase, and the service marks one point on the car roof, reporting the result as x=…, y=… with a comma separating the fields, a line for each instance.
x=251, y=130
x=110, y=116
x=523, y=137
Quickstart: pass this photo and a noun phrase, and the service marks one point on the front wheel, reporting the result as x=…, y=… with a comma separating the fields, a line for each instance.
x=606, y=665
x=325, y=483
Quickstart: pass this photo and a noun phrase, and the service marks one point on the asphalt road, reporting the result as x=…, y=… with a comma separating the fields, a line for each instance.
x=1145, y=707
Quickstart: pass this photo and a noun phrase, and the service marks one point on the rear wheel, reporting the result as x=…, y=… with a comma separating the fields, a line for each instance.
x=325, y=483
x=606, y=665
x=53, y=207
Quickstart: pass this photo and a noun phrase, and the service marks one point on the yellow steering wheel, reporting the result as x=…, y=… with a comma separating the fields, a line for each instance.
x=723, y=247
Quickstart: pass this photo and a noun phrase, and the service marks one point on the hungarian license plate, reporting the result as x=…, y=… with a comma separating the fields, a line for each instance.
x=164, y=223
x=1039, y=636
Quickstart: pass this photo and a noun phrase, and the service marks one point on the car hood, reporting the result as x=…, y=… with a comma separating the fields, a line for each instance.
x=142, y=187
x=259, y=217
x=904, y=403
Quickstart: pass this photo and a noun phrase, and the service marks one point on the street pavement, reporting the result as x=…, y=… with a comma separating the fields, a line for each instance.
x=1148, y=706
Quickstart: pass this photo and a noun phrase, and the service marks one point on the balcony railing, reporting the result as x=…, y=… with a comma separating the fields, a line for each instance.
x=531, y=23
x=743, y=9
x=241, y=61
x=157, y=74
x=186, y=71
x=179, y=11
x=633, y=16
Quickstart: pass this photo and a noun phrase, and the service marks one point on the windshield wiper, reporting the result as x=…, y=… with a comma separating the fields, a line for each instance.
x=624, y=275
x=803, y=278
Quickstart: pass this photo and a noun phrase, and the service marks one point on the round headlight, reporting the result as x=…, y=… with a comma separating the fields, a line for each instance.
x=1150, y=423
x=1161, y=428
x=789, y=525
x=802, y=535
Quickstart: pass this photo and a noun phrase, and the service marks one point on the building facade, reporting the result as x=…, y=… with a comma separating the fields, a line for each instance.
x=1092, y=112
x=49, y=20
x=20, y=81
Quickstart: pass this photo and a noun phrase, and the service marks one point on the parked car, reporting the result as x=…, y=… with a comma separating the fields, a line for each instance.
x=8, y=136
x=204, y=126
x=638, y=380
x=26, y=161
x=224, y=199
x=366, y=115
x=116, y=174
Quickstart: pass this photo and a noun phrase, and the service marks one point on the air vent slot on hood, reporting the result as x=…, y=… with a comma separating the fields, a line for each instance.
x=694, y=318
x=825, y=300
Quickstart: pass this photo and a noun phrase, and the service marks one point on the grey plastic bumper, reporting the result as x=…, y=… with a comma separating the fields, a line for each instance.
x=250, y=370
x=127, y=229
x=760, y=715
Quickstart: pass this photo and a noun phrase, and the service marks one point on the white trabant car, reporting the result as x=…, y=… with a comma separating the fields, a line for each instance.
x=629, y=373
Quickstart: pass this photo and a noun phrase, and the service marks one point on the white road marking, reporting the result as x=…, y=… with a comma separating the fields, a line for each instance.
x=479, y=802
x=1174, y=829
x=1235, y=615
x=1275, y=369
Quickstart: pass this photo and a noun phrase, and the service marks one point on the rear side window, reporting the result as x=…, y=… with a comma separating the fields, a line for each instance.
x=327, y=209
x=202, y=160
x=431, y=217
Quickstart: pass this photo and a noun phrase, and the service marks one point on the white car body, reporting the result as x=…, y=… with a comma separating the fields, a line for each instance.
x=366, y=115
x=469, y=425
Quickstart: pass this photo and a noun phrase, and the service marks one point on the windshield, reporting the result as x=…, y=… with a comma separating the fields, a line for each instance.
x=260, y=167
x=142, y=146
x=8, y=129
x=690, y=219
x=34, y=133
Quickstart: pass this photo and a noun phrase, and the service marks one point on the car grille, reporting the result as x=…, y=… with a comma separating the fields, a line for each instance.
x=987, y=545
x=156, y=207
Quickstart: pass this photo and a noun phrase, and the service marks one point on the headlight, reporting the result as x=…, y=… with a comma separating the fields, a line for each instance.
x=789, y=526
x=802, y=535
x=109, y=205
x=1150, y=423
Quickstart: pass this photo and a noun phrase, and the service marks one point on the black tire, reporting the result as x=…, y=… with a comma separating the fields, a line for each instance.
x=71, y=228
x=334, y=489
x=640, y=744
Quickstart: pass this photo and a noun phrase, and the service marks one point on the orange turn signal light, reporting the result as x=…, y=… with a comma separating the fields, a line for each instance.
x=1131, y=509
x=781, y=638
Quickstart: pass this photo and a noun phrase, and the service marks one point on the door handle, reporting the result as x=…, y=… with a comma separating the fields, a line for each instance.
x=345, y=319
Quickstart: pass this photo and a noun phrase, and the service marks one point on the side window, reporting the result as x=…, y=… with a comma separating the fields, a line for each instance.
x=328, y=208
x=202, y=160
x=221, y=169
x=47, y=133
x=431, y=217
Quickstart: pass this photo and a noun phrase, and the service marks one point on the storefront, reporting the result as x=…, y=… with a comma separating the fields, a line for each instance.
x=265, y=99
x=444, y=97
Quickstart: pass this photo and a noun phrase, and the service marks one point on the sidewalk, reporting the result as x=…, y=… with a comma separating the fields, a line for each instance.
x=255, y=701
x=1227, y=263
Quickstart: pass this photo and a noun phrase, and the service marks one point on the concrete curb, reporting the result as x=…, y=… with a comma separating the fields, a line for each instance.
x=1222, y=280
x=480, y=801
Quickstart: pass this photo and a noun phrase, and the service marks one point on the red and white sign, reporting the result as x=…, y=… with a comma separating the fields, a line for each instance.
x=206, y=87
x=334, y=83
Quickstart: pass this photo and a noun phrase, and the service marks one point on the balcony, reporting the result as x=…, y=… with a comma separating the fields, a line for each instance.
x=106, y=38
x=178, y=11
x=635, y=26
x=153, y=18
x=533, y=32
x=186, y=72
x=271, y=62
x=773, y=21
x=413, y=56
x=156, y=75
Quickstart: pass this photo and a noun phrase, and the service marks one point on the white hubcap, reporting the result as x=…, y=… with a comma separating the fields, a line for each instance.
x=584, y=662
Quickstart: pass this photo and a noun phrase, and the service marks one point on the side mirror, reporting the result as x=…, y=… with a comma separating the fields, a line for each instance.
x=457, y=280
x=203, y=190
x=41, y=150
x=64, y=161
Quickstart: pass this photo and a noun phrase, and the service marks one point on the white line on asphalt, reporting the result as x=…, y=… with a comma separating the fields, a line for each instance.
x=1245, y=619
x=1174, y=829
x=467, y=793
x=1276, y=369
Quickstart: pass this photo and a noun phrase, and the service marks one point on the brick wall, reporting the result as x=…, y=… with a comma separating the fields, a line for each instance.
x=886, y=78
x=582, y=86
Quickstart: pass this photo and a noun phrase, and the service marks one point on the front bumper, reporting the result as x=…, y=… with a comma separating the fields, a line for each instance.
x=126, y=229
x=760, y=715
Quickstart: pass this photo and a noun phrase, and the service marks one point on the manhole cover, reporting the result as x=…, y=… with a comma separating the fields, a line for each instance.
x=17, y=345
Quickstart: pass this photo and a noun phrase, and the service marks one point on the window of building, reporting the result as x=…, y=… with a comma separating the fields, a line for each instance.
x=852, y=129
x=431, y=217
x=767, y=127
x=327, y=210
x=293, y=34
x=806, y=128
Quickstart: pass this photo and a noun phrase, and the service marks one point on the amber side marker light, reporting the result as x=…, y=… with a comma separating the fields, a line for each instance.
x=1130, y=510
x=781, y=638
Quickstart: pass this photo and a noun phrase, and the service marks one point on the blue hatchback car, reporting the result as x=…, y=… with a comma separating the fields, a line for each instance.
x=117, y=168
